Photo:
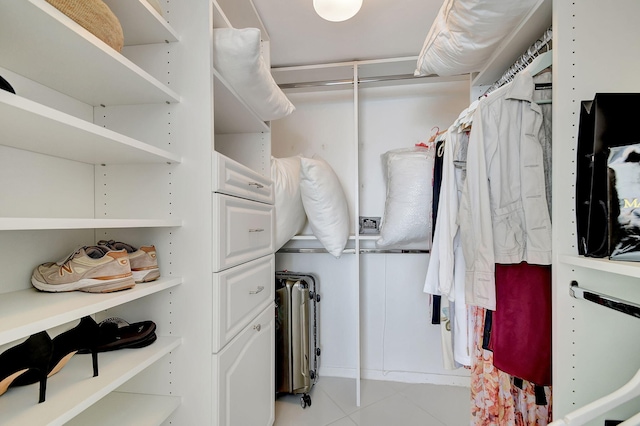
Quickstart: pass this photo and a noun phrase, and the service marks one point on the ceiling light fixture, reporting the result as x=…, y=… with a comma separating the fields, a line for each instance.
x=337, y=10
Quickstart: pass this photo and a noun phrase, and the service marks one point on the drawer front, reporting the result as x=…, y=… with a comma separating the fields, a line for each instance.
x=233, y=178
x=244, y=231
x=244, y=376
x=239, y=295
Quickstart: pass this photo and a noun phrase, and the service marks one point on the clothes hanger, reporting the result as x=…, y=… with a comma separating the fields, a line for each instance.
x=600, y=406
x=541, y=62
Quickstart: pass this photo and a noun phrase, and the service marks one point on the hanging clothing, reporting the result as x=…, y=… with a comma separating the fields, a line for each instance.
x=521, y=329
x=445, y=275
x=436, y=303
x=495, y=399
x=504, y=216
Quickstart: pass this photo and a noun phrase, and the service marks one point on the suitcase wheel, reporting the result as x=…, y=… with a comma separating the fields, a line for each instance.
x=312, y=374
x=314, y=295
x=305, y=400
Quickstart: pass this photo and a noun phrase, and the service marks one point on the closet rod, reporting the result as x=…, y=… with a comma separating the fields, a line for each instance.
x=311, y=250
x=542, y=44
x=351, y=251
x=392, y=251
x=610, y=302
x=349, y=81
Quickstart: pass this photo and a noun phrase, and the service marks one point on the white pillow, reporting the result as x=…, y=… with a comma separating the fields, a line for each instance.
x=290, y=215
x=467, y=32
x=238, y=59
x=325, y=204
x=407, y=212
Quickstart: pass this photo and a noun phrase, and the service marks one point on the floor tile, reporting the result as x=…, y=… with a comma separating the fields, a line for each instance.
x=343, y=391
x=394, y=410
x=323, y=411
x=345, y=421
x=448, y=404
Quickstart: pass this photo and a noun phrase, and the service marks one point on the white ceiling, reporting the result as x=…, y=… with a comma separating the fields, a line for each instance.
x=382, y=29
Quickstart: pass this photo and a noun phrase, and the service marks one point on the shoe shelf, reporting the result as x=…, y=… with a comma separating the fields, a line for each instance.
x=36, y=223
x=26, y=312
x=141, y=23
x=73, y=390
x=124, y=408
x=41, y=43
x=232, y=114
x=629, y=269
x=34, y=127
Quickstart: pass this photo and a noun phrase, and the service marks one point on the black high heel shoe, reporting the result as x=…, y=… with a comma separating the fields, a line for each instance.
x=30, y=357
x=64, y=346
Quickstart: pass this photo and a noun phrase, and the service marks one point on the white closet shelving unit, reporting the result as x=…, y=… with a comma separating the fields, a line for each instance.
x=99, y=144
x=595, y=349
x=52, y=213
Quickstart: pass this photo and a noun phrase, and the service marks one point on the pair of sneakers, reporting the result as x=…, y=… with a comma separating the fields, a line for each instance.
x=103, y=268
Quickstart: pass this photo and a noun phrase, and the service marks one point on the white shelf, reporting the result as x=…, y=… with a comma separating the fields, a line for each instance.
x=34, y=127
x=220, y=20
x=39, y=42
x=313, y=237
x=232, y=114
x=630, y=269
x=124, y=408
x=513, y=46
x=243, y=14
x=141, y=23
x=29, y=311
x=44, y=223
x=73, y=389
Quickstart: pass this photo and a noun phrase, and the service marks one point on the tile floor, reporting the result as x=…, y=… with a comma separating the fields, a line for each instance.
x=333, y=403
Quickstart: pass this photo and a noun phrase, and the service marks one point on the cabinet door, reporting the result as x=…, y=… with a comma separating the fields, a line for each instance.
x=239, y=294
x=244, y=231
x=244, y=387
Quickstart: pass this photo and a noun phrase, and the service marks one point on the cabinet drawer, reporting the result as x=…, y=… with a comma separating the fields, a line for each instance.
x=243, y=231
x=244, y=378
x=233, y=178
x=239, y=294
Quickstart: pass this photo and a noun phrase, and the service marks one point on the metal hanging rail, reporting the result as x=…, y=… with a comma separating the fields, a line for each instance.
x=541, y=45
x=351, y=251
x=610, y=302
x=365, y=80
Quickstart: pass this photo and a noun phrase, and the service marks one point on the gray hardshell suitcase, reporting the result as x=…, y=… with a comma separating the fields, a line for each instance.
x=296, y=334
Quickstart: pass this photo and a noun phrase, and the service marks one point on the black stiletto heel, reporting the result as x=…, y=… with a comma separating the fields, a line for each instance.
x=30, y=358
x=63, y=347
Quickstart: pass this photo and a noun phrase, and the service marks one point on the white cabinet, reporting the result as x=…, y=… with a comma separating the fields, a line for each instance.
x=245, y=390
x=242, y=197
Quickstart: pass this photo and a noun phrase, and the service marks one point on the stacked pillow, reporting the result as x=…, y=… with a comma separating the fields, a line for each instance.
x=237, y=57
x=308, y=188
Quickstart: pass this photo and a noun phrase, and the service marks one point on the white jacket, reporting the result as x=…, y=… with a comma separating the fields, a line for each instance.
x=503, y=213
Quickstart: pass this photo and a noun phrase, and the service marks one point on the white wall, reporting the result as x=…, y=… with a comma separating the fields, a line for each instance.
x=397, y=340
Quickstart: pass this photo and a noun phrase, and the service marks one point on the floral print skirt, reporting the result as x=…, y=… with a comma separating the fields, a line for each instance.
x=495, y=399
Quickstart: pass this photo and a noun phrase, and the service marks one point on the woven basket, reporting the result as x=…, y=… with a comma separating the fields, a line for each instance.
x=95, y=17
